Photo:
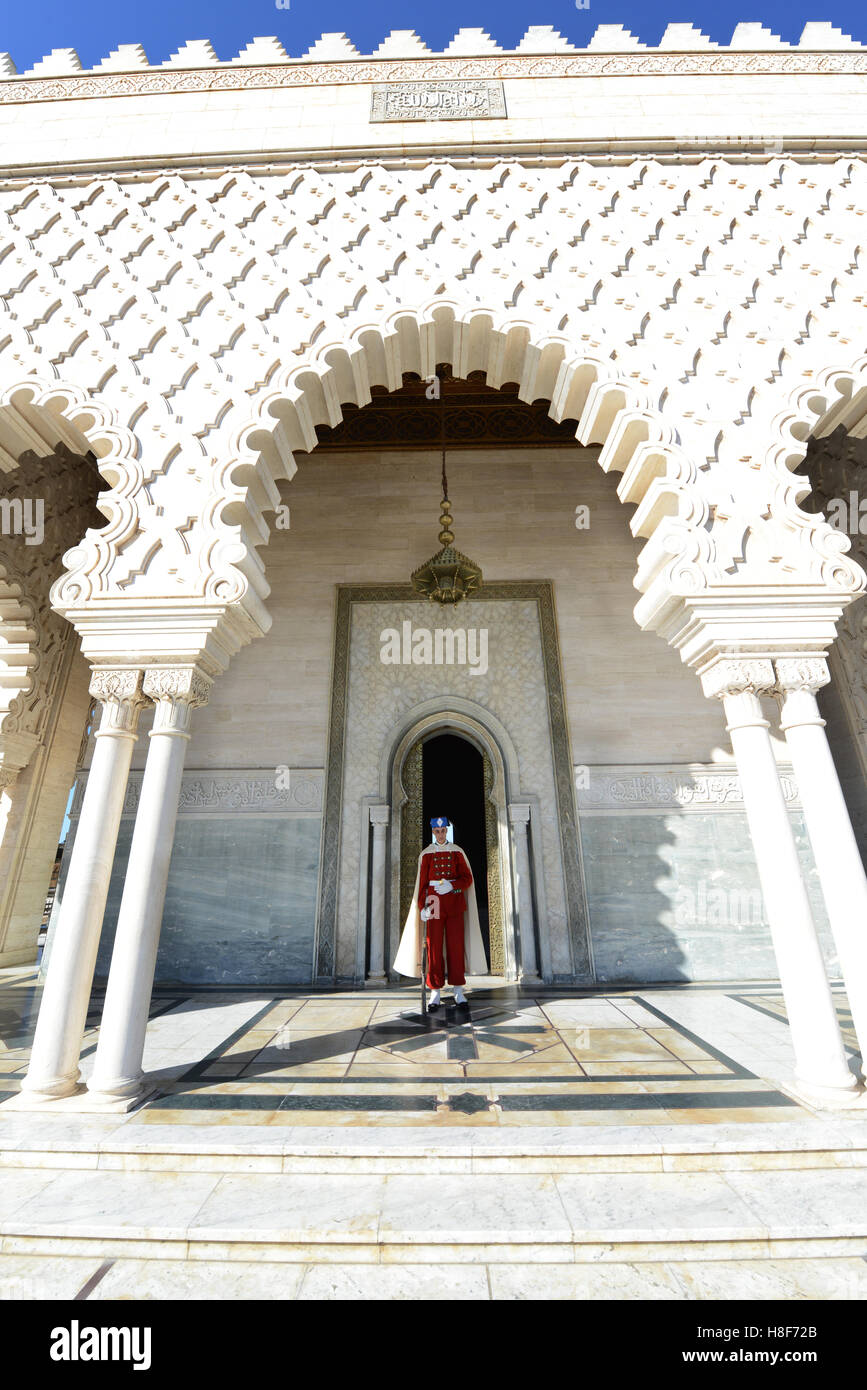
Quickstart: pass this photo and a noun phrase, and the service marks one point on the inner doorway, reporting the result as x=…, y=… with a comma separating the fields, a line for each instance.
x=453, y=785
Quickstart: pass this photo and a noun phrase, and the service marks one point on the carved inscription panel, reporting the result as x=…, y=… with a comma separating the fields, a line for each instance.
x=479, y=100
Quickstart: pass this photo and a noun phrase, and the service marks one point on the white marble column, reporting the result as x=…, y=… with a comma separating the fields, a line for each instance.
x=117, y=1072
x=519, y=818
x=53, y=1070
x=379, y=817
x=841, y=869
x=821, y=1069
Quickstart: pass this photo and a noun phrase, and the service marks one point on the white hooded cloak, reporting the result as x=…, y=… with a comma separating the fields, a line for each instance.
x=408, y=958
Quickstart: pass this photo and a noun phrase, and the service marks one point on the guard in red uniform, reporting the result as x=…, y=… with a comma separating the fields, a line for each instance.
x=444, y=877
x=443, y=910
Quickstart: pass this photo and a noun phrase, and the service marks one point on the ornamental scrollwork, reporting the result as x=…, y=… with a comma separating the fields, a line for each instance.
x=116, y=685
x=177, y=683
x=801, y=673
x=738, y=677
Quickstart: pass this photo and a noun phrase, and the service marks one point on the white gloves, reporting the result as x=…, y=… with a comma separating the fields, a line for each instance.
x=426, y=914
x=442, y=886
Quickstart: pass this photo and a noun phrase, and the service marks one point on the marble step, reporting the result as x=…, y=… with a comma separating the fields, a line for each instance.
x=90, y=1142
x=435, y=1217
x=94, y=1279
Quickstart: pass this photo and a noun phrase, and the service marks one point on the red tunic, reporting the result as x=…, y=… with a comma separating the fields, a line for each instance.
x=450, y=864
x=448, y=922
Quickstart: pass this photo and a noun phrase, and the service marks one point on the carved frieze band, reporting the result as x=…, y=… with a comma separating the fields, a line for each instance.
x=232, y=79
x=232, y=793
x=653, y=788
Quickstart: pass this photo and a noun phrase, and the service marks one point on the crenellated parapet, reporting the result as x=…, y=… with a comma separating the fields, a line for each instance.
x=404, y=44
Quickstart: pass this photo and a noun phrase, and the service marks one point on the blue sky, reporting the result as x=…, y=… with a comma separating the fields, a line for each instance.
x=94, y=27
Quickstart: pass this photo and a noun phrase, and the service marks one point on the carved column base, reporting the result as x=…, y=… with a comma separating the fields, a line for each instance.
x=81, y=1102
x=48, y=1094
x=829, y=1097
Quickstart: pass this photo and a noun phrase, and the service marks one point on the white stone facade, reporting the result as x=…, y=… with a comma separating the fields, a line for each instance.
x=187, y=291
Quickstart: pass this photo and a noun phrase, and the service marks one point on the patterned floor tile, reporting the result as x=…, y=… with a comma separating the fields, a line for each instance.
x=353, y=1057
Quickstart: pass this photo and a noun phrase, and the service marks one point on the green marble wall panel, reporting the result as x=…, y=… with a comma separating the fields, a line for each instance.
x=671, y=896
x=240, y=904
x=676, y=896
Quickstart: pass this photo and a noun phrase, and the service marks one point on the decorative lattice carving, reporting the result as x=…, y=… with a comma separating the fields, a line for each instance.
x=222, y=320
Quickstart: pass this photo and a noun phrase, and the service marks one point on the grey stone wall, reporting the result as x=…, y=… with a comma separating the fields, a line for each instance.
x=672, y=887
x=846, y=757
x=241, y=898
x=678, y=898
x=240, y=905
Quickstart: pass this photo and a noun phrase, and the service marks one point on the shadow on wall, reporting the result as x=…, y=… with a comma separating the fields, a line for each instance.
x=675, y=895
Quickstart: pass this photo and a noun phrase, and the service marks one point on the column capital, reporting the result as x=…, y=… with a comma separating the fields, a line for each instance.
x=176, y=691
x=797, y=683
x=185, y=683
x=119, y=691
x=801, y=673
x=737, y=676
x=380, y=815
x=118, y=684
x=519, y=812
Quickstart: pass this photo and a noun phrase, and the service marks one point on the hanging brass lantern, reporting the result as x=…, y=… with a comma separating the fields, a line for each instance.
x=447, y=577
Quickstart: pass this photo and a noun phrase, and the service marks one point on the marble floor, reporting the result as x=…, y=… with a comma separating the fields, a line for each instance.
x=626, y=1144
x=688, y=1055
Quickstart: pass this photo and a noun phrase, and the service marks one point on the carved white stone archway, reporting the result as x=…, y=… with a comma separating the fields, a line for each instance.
x=695, y=540
x=702, y=402
x=46, y=502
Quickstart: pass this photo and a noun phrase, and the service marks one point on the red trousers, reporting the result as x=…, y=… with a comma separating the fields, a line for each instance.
x=450, y=924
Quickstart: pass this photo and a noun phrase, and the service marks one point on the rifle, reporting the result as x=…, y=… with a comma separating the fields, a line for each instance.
x=424, y=1016
x=424, y=976
x=430, y=901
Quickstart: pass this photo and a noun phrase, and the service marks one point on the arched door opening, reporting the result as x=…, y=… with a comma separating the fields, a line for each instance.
x=448, y=765
x=453, y=785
